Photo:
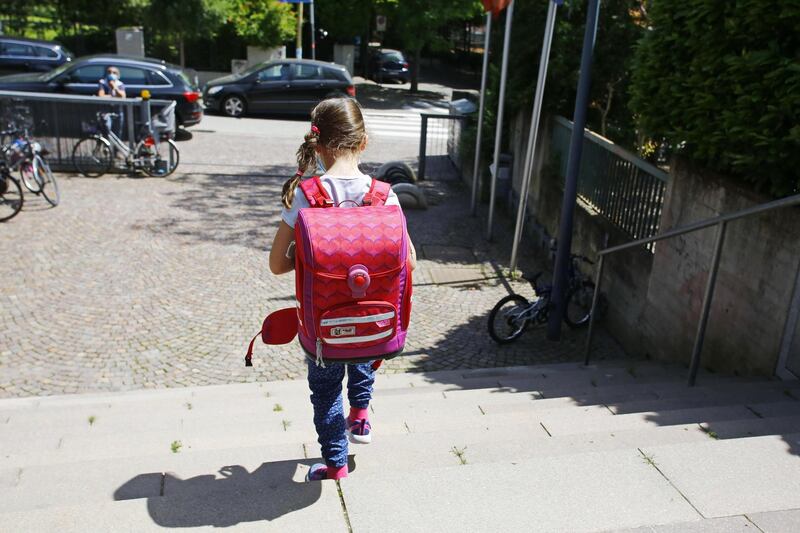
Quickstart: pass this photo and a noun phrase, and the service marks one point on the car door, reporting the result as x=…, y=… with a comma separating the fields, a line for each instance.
x=83, y=79
x=309, y=86
x=270, y=89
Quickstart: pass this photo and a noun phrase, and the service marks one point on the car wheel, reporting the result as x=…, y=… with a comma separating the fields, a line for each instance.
x=234, y=106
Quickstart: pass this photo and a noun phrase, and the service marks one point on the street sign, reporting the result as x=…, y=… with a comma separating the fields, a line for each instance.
x=380, y=23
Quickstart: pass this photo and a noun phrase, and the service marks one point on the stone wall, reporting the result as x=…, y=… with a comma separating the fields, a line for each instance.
x=654, y=299
x=755, y=280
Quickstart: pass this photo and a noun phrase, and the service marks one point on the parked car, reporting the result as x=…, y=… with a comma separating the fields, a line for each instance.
x=286, y=86
x=81, y=76
x=18, y=54
x=388, y=64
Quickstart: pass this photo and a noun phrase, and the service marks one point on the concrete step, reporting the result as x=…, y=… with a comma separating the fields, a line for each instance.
x=584, y=492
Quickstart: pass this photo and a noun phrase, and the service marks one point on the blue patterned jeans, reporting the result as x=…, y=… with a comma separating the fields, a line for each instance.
x=326, y=397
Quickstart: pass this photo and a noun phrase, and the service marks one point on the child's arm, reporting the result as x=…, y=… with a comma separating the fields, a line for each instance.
x=278, y=262
x=413, y=251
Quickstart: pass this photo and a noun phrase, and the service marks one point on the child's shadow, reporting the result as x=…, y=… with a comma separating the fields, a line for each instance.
x=238, y=496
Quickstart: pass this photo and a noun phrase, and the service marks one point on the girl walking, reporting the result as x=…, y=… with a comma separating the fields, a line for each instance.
x=337, y=138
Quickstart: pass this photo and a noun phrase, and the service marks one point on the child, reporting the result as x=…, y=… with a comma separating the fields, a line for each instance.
x=337, y=137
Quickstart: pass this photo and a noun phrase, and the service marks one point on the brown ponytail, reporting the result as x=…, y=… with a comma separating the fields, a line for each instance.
x=306, y=157
x=337, y=125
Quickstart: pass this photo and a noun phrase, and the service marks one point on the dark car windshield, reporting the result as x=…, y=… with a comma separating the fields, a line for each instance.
x=393, y=56
x=53, y=74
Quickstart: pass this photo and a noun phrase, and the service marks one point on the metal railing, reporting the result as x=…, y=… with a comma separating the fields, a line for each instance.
x=721, y=222
x=58, y=121
x=624, y=189
x=440, y=146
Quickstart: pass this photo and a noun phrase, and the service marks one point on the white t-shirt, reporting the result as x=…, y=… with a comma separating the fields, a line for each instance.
x=340, y=189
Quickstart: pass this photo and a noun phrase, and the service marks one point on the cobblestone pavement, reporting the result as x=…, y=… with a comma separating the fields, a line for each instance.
x=149, y=283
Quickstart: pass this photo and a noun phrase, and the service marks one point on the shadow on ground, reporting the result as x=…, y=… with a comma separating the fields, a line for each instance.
x=231, y=496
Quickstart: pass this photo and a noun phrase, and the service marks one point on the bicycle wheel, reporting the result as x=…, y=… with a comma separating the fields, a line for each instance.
x=28, y=177
x=92, y=156
x=161, y=163
x=11, y=198
x=579, y=304
x=45, y=176
x=505, y=321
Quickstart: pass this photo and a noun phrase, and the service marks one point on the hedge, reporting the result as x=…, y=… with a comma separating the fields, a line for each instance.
x=719, y=81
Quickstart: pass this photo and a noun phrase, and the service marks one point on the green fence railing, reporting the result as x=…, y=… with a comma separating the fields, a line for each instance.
x=624, y=189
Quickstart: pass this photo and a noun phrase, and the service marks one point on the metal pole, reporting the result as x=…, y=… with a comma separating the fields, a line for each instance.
x=476, y=164
x=560, y=278
x=709, y=295
x=534, y=133
x=313, y=35
x=593, y=311
x=131, y=128
x=299, y=41
x=498, y=133
x=789, y=328
x=423, y=143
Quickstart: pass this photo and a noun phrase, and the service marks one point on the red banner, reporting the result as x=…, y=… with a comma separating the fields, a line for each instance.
x=495, y=6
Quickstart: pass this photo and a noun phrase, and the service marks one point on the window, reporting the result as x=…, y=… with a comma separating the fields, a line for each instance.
x=133, y=76
x=87, y=74
x=334, y=75
x=49, y=53
x=278, y=72
x=306, y=72
x=18, y=50
x=156, y=78
x=393, y=56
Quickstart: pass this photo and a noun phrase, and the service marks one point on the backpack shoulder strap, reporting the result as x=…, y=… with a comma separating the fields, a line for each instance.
x=378, y=193
x=315, y=193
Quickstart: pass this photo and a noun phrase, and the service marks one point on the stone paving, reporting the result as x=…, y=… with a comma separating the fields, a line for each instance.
x=151, y=283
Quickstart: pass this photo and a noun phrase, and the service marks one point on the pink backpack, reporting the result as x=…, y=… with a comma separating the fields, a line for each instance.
x=352, y=280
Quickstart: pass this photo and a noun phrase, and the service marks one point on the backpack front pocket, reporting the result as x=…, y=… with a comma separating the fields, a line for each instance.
x=358, y=325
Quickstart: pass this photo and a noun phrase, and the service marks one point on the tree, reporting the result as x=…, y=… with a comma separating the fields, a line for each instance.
x=417, y=24
x=720, y=82
x=264, y=23
x=186, y=19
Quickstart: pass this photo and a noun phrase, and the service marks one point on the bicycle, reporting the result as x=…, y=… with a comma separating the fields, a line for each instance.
x=11, y=198
x=513, y=314
x=27, y=156
x=94, y=155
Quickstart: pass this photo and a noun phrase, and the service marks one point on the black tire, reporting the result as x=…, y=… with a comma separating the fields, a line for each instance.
x=234, y=106
x=45, y=176
x=171, y=155
x=396, y=172
x=11, y=198
x=579, y=304
x=27, y=176
x=502, y=328
x=92, y=157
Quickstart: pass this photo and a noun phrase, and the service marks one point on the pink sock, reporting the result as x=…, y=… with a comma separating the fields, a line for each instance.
x=335, y=472
x=358, y=414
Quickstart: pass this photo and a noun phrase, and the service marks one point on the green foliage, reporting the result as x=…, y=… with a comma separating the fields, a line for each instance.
x=345, y=20
x=619, y=28
x=264, y=23
x=186, y=18
x=720, y=82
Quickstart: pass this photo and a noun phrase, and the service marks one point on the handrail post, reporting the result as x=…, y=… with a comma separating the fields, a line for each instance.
x=709, y=295
x=423, y=141
x=593, y=311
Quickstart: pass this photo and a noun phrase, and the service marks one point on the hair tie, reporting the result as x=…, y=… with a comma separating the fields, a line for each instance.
x=314, y=129
x=299, y=172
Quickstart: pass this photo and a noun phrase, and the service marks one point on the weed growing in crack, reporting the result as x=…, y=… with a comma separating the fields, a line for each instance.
x=92, y=419
x=175, y=446
x=460, y=454
x=278, y=408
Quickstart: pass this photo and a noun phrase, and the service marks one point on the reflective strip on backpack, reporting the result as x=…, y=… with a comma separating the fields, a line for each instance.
x=365, y=338
x=356, y=319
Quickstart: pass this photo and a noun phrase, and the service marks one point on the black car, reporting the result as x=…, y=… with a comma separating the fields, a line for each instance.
x=390, y=64
x=285, y=86
x=18, y=54
x=81, y=76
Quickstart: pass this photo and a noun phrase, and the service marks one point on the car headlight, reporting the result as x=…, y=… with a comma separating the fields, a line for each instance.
x=214, y=90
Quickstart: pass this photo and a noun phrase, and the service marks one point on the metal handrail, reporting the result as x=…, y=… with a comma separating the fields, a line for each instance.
x=721, y=221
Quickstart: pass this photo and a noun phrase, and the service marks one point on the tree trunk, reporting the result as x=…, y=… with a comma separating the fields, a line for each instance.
x=182, y=51
x=415, y=70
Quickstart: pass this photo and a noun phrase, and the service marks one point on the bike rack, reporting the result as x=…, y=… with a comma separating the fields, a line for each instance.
x=721, y=222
